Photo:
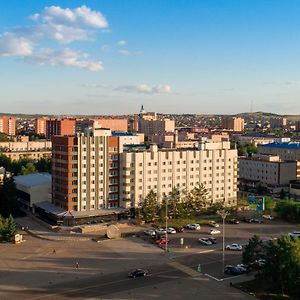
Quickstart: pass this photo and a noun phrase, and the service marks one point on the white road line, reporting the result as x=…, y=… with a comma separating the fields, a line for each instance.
x=212, y=277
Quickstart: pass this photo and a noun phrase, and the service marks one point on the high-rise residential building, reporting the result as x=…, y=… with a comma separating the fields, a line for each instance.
x=233, y=123
x=60, y=127
x=40, y=126
x=278, y=123
x=114, y=124
x=212, y=164
x=85, y=169
x=8, y=125
x=154, y=126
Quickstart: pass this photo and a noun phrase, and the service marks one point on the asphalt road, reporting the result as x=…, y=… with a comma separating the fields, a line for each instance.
x=178, y=267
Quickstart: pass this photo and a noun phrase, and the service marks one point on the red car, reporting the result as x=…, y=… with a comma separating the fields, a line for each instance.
x=162, y=242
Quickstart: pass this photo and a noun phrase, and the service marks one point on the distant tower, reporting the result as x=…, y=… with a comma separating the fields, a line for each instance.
x=142, y=110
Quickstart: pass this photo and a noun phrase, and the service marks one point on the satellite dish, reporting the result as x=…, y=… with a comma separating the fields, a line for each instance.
x=113, y=232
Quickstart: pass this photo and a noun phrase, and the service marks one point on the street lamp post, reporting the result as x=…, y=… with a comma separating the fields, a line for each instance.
x=166, y=244
x=223, y=215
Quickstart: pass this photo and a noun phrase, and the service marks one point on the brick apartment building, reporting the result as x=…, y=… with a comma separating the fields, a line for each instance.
x=60, y=127
x=8, y=125
x=40, y=125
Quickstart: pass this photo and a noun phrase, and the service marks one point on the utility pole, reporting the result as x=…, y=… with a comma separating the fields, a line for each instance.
x=166, y=245
x=223, y=215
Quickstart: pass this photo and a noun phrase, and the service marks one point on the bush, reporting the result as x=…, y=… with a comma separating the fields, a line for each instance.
x=288, y=210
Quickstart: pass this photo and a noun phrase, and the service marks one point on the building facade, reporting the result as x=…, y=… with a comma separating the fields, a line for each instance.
x=233, y=123
x=40, y=126
x=114, y=124
x=286, y=151
x=267, y=170
x=8, y=125
x=212, y=164
x=60, y=127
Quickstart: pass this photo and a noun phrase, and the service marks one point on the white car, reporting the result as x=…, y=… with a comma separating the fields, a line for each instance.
x=171, y=230
x=214, y=231
x=234, y=247
x=213, y=224
x=268, y=217
x=193, y=226
x=205, y=241
x=295, y=234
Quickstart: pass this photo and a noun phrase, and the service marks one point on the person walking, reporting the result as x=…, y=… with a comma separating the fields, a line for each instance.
x=54, y=251
x=77, y=265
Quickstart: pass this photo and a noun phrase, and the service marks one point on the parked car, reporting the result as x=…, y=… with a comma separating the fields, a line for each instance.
x=255, y=221
x=160, y=231
x=295, y=234
x=247, y=220
x=171, y=230
x=213, y=224
x=138, y=273
x=234, y=247
x=268, y=217
x=214, y=231
x=233, y=221
x=150, y=232
x=244, y=268
x=232, y=270
x=213, y=240
x=205, y=241
x=179, y=229
x=193, y=226
x=162, y=241
x=258, y=264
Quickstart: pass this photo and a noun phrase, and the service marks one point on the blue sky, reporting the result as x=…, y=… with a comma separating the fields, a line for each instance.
x=177, y=56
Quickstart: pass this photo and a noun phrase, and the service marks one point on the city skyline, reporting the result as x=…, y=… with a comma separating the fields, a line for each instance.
x=221, y=57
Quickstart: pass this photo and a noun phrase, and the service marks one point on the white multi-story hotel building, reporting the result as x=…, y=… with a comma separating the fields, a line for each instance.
x=213, y=164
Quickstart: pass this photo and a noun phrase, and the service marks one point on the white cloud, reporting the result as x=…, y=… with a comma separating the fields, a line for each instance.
x=78, y=17
x=122, y=43
x=139, y=89
x=12, y=45
x=124, y=52
x=145, y=89
x=65, y=57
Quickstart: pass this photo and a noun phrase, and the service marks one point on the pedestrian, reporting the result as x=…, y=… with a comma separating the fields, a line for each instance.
x=54, y=251
x=77, y=265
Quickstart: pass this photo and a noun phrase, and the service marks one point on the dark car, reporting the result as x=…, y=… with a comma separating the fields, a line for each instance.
x=179, y=229
x=232, y=270
x=247, y=220
x=138, y=273
x=233, y=221
x=213, y=240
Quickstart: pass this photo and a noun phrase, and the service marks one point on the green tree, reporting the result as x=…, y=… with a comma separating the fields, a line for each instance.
x=43, y=165
x=149, y=208
x=8, y=228
x=281, y=273
x=173, y=202
x=253, y=250
x=197, y=198
x=28, y=169
x=8, y=198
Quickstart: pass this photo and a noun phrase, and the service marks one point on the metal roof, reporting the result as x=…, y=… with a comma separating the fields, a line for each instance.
x=34, y=179
x=283, y=145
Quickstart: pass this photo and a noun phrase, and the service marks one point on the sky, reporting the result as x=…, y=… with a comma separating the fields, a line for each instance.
x=172, y=56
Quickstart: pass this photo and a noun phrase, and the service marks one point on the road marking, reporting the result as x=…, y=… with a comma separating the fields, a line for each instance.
x=212, y=277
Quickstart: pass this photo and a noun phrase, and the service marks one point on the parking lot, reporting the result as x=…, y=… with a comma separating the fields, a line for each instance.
x=185, y=248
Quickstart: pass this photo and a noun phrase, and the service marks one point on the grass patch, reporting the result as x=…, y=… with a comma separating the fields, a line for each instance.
x=257, y=289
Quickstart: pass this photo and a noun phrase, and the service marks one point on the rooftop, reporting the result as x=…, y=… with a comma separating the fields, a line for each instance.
x=283, y=145
x=34, y=179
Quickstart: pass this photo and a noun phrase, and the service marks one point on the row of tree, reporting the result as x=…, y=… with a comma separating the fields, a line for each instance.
x=281, y=271
x=25, y=166
x=288, y=210
x=8, y=228
x=180, y=204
